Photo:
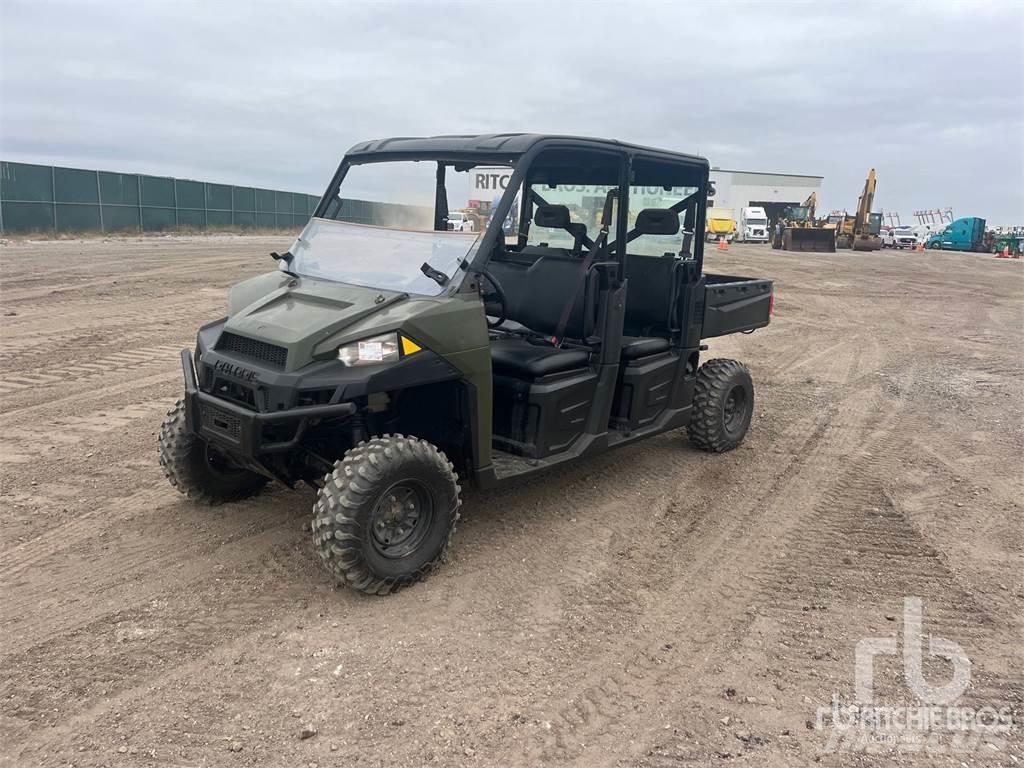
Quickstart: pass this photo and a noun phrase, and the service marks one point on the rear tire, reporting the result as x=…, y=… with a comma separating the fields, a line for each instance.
x=723, y=404
x=386, y=513
x=200, y=472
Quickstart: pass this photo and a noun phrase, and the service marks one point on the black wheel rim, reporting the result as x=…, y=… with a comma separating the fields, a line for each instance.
x=219, y=464
x=735, y=409
x=401, y=519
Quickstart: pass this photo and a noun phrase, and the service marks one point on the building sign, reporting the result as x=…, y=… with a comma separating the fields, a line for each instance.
x=488, y=184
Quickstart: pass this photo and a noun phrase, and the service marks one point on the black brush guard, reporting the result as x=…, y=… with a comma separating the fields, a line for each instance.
x=240, y=429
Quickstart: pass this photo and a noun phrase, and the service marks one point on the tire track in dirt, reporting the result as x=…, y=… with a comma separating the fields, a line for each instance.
x=115, y=365
x=24, y=445
x=45, y=338
x=608, y=702
x=855, y=558
x=20, y=413
x=837, y=433
x=148, y=549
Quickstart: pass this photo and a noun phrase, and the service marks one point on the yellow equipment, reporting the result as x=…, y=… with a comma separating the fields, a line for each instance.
x=798, y=231
x=720, y=224
x=862, y=231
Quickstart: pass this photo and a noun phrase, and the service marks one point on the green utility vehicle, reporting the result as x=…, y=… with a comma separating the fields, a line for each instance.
x=390, y=357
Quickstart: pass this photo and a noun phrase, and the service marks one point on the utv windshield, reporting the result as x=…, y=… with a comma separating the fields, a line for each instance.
x=386, y=226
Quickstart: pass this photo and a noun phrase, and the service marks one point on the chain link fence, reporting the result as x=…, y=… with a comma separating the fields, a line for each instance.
x=43, y=198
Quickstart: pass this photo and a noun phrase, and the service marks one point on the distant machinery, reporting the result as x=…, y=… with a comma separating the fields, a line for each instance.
x=934, y=216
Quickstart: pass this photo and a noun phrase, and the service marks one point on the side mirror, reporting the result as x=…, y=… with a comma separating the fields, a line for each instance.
x=711, y=189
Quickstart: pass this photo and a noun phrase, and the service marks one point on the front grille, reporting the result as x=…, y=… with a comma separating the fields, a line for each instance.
x=271, y=354
x=232, y=390
x=221, y=421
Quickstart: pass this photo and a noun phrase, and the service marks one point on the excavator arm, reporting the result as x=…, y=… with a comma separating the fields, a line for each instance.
x=810, y=204
x=863, y=237
x=867, y=197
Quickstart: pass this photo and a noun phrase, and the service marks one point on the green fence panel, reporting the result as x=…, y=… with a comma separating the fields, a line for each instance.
x=121, y=218
x=78, y=217
x=244, y=199
x=157, y=192
x=219, y=219
x=118, y=189
x=266, y=201
x=71, y=185
x=191, y=218
x=43, y=198
x=27, y=217
x=189, y=194
x=157, y=219
x=218, y=197
x=21, y=182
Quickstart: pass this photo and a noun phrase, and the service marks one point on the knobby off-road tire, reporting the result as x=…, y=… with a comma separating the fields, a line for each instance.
x=386, y=513
x=196, y=469
x=723, y=403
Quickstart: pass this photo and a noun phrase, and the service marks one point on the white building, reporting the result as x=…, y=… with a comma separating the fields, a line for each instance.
x=771, y=191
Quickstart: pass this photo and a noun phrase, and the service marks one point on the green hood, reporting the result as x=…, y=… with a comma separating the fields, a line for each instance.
x=298, y=313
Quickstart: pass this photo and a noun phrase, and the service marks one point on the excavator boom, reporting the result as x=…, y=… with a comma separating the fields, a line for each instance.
x=867, y=197
x=861, y=233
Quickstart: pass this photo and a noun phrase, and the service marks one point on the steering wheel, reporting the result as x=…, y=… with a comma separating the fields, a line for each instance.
x=494, y=300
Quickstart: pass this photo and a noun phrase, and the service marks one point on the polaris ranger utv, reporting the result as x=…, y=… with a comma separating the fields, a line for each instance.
x=390, y=356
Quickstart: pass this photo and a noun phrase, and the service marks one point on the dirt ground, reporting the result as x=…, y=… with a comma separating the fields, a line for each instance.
x=655, y=606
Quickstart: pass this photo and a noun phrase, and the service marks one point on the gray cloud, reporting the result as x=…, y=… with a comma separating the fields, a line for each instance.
x=272, y=94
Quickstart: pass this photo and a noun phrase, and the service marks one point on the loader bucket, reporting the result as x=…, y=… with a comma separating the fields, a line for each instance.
x=810, y=239
x=869, y=243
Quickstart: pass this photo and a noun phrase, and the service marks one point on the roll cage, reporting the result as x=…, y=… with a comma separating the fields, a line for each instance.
x=526, y=154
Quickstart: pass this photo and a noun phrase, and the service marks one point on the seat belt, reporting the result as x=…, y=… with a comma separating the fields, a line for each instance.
x=599, y=244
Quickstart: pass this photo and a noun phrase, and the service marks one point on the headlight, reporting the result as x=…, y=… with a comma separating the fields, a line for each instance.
x=376, y=349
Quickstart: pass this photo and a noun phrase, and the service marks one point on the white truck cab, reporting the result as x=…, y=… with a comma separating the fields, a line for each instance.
x=753, y=225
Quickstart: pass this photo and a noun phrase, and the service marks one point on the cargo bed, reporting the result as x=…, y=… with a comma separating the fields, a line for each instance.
x=734, y=304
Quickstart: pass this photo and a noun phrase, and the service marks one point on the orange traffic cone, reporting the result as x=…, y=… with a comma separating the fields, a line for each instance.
x=920, y=247
x=1004, y=254
x=722, y=245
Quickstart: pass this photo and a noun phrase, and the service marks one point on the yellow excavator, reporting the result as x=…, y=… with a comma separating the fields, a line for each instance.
x=797, y=230
x=861, y=232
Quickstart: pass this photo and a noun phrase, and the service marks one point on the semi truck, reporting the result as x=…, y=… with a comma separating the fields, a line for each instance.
x=720, y=224
x=965, y=234
x=753, y=225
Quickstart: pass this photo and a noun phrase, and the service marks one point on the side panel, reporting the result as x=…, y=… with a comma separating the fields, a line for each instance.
x=736, y=305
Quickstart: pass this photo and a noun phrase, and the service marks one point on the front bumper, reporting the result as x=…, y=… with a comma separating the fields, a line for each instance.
x=242, y=430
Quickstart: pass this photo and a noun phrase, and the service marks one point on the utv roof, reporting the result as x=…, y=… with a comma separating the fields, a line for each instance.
x=506, y=145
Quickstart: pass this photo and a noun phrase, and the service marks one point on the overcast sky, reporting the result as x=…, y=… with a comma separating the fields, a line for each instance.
x=271, y=94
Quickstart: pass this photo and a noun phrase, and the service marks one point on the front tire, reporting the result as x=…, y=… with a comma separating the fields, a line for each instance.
x=723, y=404
x=386, y=513
x=198, y=470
